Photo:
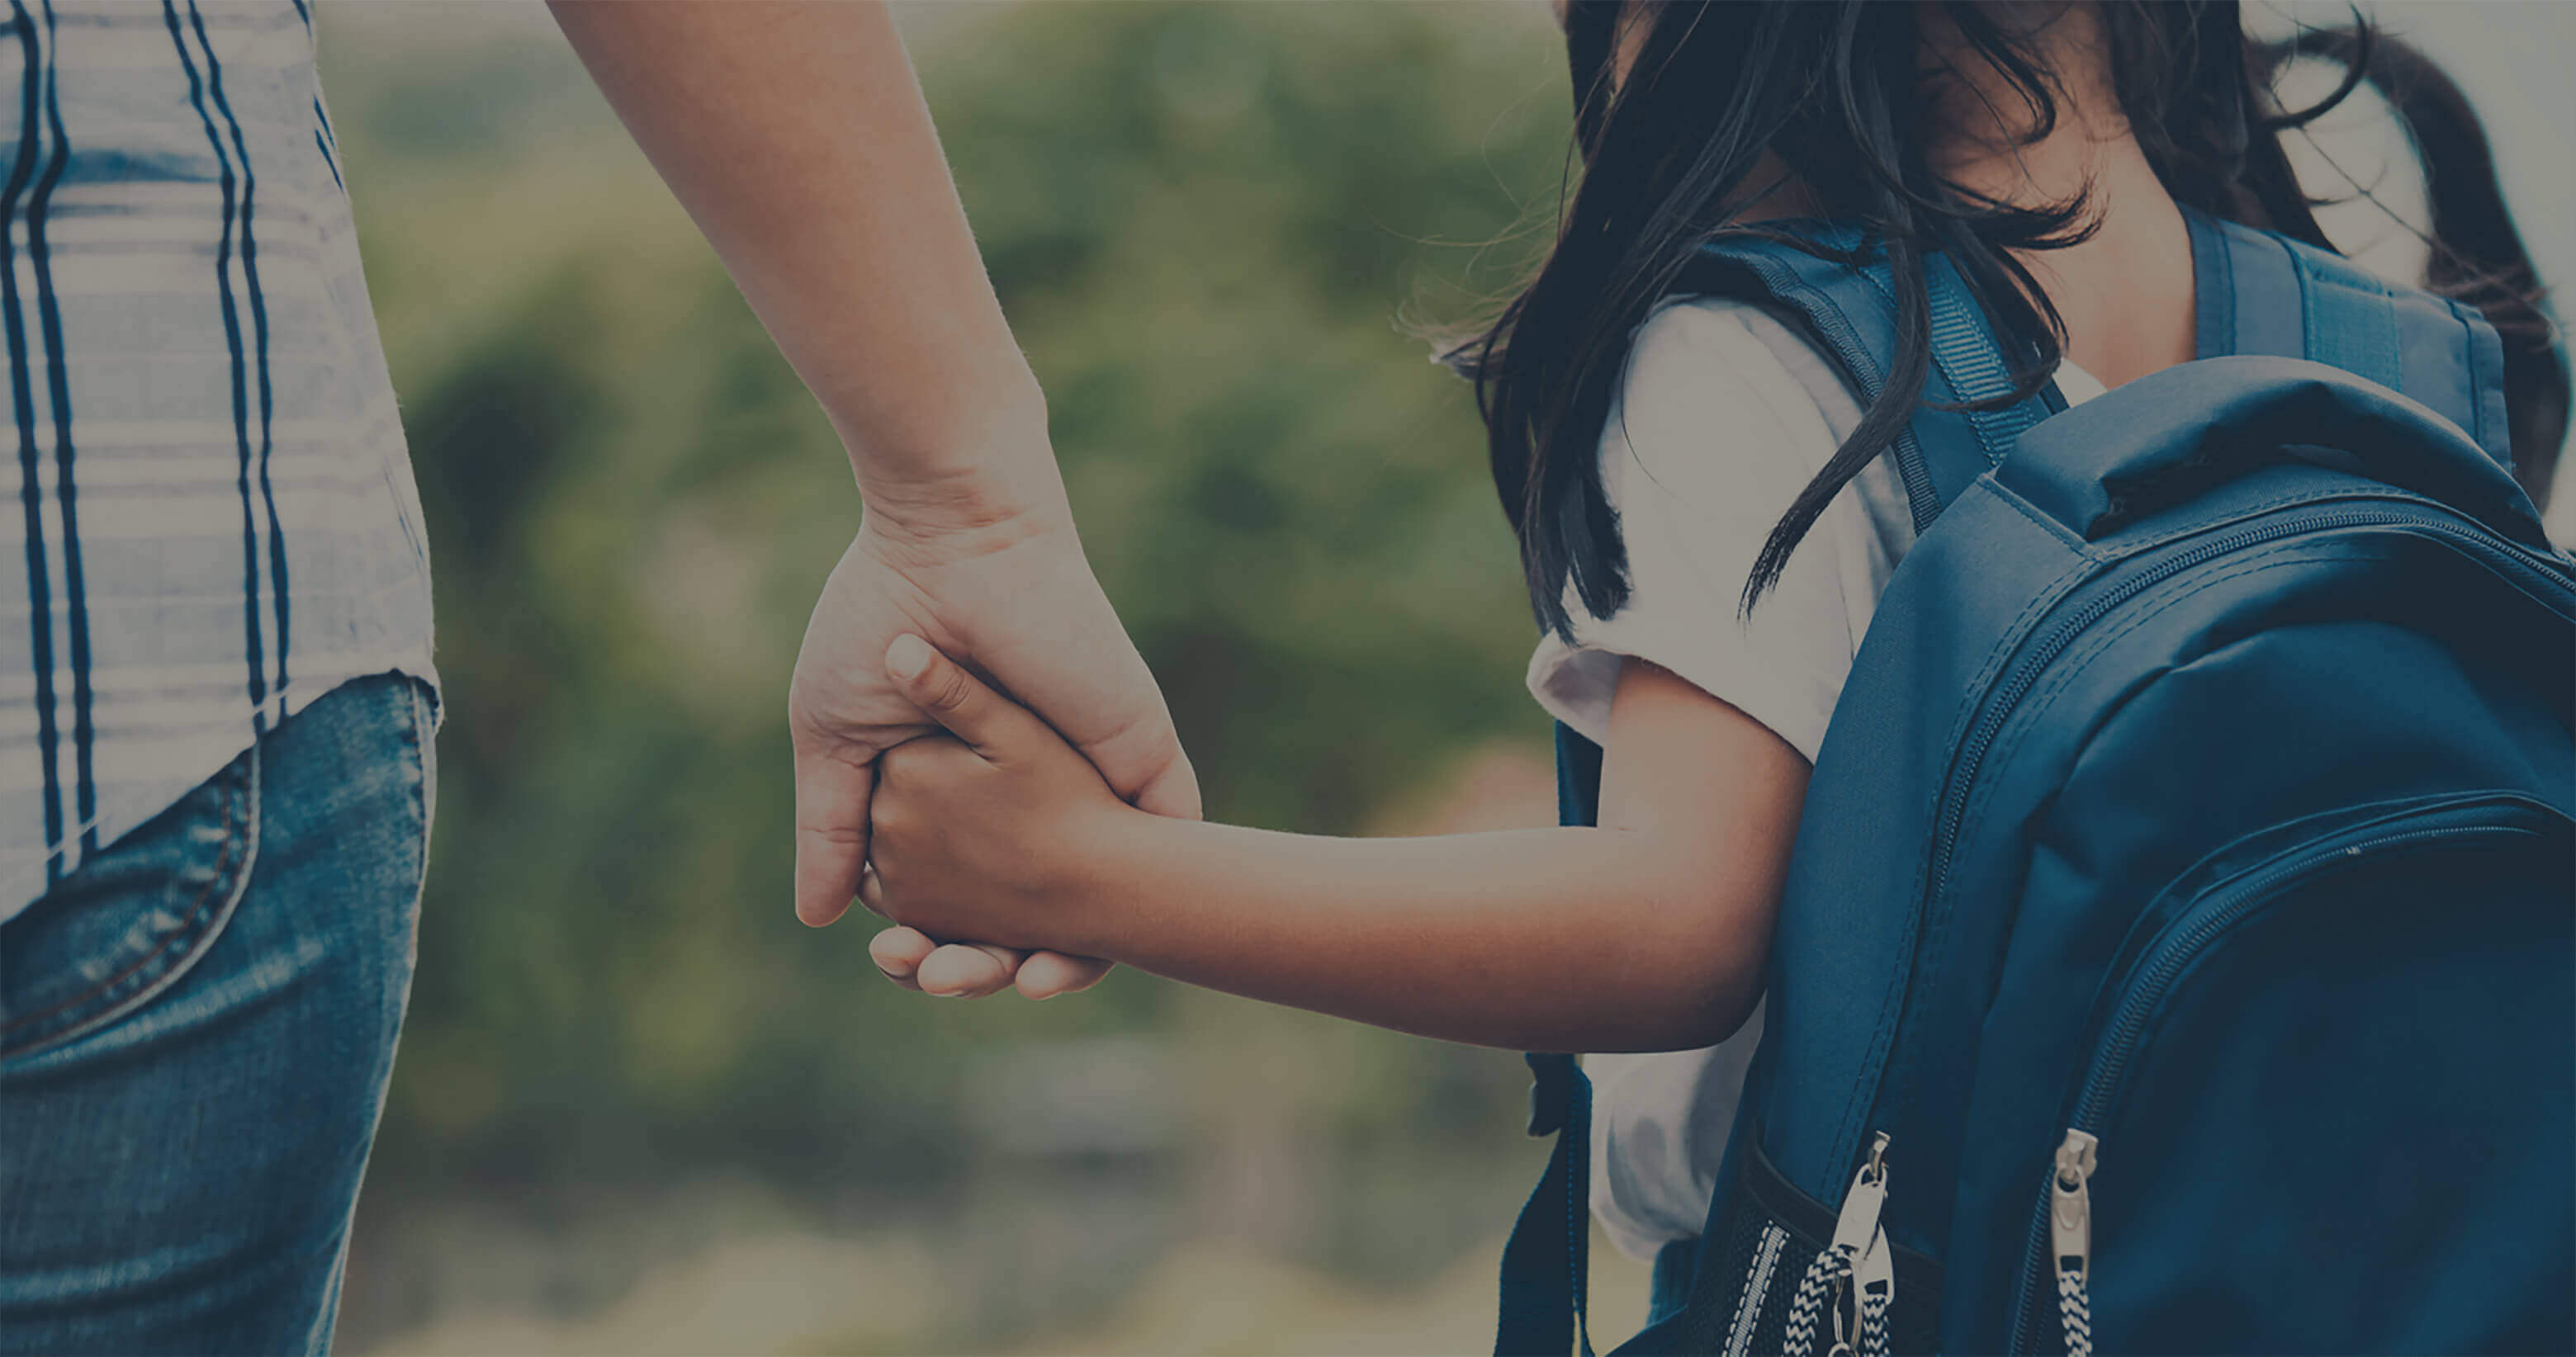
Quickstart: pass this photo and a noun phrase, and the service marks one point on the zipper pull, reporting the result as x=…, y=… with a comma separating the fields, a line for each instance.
x=2070, y=1207
x=1861, y=1205
x=1874, y=1293
x=1830, y=1277
x=2070, y=1232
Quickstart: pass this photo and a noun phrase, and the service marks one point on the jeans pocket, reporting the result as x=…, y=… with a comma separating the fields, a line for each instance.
x=131, y=921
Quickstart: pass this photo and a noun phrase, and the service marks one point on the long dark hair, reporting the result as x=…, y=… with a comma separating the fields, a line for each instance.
x=1835, y=88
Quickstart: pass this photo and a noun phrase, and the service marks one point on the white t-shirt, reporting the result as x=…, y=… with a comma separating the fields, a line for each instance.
x=1723, y=417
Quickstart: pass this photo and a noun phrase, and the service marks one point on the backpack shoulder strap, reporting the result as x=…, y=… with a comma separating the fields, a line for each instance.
x=1841, y=301
x=2261, y=293
x=2258, y=293
x=1847, y=310
x=1547, y=1259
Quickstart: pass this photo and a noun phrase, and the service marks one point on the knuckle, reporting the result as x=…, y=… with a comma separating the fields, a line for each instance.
x=895, y=764
x=833, y=833
x=906, y=762
x=949, y=687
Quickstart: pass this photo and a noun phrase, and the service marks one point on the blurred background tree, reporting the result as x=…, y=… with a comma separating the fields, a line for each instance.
x=1215, y=229
x=637, y=1107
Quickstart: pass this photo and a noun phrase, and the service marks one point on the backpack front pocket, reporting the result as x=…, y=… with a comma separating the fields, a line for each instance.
x=2339, y=1001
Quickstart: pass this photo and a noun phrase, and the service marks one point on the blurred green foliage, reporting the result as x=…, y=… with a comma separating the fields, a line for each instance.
x=1215, y=228
x=1218, y=230
x=1203, y=221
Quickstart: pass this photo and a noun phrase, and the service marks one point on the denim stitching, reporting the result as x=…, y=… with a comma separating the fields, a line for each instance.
x=190, y=932
x=423, y=737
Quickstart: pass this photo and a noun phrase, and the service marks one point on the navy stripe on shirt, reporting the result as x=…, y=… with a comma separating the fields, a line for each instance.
x=277, y=584
x=251, y=648
x=40, y=594
x=66, y=495
x=324, y=139
x=249, y=425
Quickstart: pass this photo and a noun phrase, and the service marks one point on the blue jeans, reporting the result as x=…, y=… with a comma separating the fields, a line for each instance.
x=195, y=1034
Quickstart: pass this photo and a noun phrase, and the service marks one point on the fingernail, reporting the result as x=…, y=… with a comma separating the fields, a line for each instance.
x=907, y=657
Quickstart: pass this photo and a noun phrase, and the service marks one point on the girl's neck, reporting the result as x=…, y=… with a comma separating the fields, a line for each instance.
x=2125, y=292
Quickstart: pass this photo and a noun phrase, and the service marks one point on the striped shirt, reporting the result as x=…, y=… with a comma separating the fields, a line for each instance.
x=210, y=518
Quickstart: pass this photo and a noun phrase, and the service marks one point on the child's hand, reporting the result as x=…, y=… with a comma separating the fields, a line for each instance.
x=995, y=834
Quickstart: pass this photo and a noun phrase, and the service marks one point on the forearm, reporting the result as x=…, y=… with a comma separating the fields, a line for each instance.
x=795, y=135
x=1540, y=939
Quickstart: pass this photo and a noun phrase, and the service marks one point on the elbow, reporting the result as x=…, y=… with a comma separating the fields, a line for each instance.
x=1700, y=985
x=1695, y=952
x=1716, y=1017
x=1687, y=1012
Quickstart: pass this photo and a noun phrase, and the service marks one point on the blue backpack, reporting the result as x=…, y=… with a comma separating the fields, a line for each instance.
x=2179, y=949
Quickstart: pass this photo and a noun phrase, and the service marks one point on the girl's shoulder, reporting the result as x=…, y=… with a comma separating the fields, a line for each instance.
x=1725, y=404
x=1723, y=416
x=1724, y=395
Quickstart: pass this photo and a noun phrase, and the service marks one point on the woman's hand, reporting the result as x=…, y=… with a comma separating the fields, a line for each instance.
x=798, y=140
x=999, y=581
x=999, y=832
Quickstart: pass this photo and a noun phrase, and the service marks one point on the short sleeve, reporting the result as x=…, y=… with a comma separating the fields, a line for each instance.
x=1723, y=417
x=1710, y=440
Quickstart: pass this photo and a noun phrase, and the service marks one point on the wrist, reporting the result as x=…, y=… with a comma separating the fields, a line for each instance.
x=978, y=456
x=1106, y=888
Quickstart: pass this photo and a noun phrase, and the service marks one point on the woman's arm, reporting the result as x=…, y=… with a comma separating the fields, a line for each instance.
x=1648, y=933
x=795, y=135
x=797, y=139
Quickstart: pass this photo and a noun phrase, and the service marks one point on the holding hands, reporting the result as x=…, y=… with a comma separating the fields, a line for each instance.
x=996, y=829
x=854, y=251
x=996, y=574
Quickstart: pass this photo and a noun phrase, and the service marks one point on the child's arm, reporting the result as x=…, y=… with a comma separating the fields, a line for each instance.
x=1648, y=933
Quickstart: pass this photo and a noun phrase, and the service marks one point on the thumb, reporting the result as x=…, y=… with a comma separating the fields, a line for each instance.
x=1174, y=791
x=831, y=831
x=987, y=722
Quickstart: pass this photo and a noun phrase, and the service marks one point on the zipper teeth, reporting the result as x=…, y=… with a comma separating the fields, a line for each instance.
x=2131, y=1017
x=1952, y=807
x=1757, y=1291
x=2025, y=673
x=1972, y=751
x=2117, y=1044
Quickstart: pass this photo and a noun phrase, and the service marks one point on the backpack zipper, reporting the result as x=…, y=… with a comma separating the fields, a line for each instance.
x=1867, y=1273
x=2064, y=1214
x=2006, y=694
x=2025, y=672
x=2070, y=1234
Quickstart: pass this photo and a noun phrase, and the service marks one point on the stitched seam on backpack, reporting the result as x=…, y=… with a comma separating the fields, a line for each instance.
x=2154, y=605
x=1893, y=1005
x=2383, y=491
x=2476, y=388
x=2073, y=540
x=2119, y=1102
x=2069, y=666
